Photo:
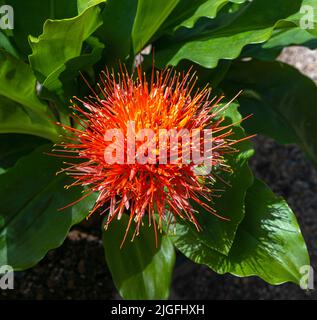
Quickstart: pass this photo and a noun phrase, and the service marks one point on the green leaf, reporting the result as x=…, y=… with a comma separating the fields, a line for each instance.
x=7, y=45
x=17, y=82
x=304, y=15
x=15, y=118
x=29, y=17
x=118, y=18
x=63, y=80
x=268, y=242
x=30, y=223
x=82, y=5
x=61, y=42
x=208, y=9
x=15, y=146
x=212, y=77
x=216, y=233
x=206, y=45
x=149, y=17
x=281, y=99
x=188, y=12
x=20, y=109
x=271, y=49
x=140, y=270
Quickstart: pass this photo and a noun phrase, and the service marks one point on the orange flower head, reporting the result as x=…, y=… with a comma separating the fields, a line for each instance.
x=124, y=140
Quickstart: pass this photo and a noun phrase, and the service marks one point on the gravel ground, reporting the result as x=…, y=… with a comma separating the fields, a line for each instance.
x=77, y=269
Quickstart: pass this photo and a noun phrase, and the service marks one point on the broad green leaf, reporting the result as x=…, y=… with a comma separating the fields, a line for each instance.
x=268, y=242
x=281, y=99
x=115, y=32
x=62, y=41
x=188, y=12
x=208, y=9
x=149, y=17
x=20, y=109
x=82, y=5
x=206, y=45
x=17, y=82
x=212, y=77
x=14, y=118
x=30, y=223
x=15, y=146
x=29, y=17
x=7, y=45
x=140, y=270
x=271, y=49
x=184, y=10
x=216, y=233
x=63, y=80
x=306, y=17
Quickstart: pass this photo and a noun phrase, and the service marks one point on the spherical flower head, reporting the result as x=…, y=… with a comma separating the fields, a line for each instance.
x=148, y=147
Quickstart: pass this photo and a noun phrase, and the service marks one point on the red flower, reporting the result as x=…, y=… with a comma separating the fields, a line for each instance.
x=145, y=182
